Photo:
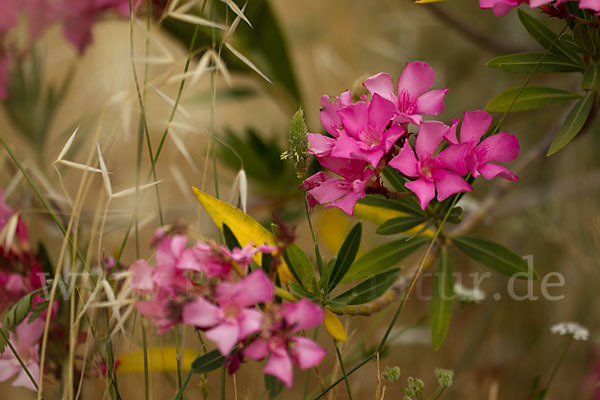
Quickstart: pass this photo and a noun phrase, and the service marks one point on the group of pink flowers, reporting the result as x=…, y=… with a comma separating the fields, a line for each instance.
x=20, y=274
x=375, y=131
x=76, y=17
x=501, y=7
x=212, y=288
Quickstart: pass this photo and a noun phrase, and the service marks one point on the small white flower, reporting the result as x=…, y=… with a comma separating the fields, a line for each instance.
x=466, y=295
x=573, y=329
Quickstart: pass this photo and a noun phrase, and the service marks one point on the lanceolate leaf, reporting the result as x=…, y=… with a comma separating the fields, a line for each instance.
x=441, y=301
x=345, y=256
x=208, y=362
x=526, y=63
x=369, y=289
x=383, y=257
x=494, y=256
x=399, y=225
x=531, y=98
x=573, y=123
x=591, y=77
x=230, y=239
x=544, y=36
x=583, y=38
x=243, y=227
x=402, y=205
x=273, y=386
x=334, y=326
x=300, y=265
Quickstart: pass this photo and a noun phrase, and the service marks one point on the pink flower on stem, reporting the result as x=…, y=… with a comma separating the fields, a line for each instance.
x=479, y=157
x=172, y=253
x=342, y=192
x=25, y=341
x=432, y=172
x=413, y=96
x=365, y=136
x=232, y=320
x=329, y=113
x=501, y=7
x=283, y=347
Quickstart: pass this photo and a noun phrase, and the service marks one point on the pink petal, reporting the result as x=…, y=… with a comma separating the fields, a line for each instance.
x=355, y=118
x=429, y=138
x=448, y=183
x=406, y=162
x=302, y=315
x=345, y=147
x=490, y=171
x=381, y=111
x=250, y=322
x=141, y=279
x=150, y=309
x=328, y=191
x=391, y=136
x=280, y=366
x=453, y=158
x=178, y=244
x=8, y=367
x=305, y=352
x=200, y=313
x=253, y=289
x=475, y=124
x=225, y=336
x=29, y=334
x=164, y=256
x=257, y=350
x=403, y=118
x=320, y=145
x=590, y=4
x=188, y=261
x=347, y=202
x=417, y=78
x=382, y=85
x=424, y=190
x=502, y=147
x=432, y=102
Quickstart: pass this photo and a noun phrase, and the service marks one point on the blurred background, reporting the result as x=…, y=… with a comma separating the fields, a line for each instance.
x=310, y=48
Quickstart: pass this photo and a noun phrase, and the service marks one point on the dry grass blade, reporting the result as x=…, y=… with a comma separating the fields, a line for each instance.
x=164, y=57
x=182, y=148
x=192, y=19
x=67, y=145
x=105, y=177
x=246, y=61
x=78, y=166
x=7, y=234
x=237, y=11
x=130, y=191
x=14, y=182
x=171, y=102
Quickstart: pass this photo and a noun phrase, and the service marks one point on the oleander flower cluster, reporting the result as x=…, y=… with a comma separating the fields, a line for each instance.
x=215, y=290
x=501, y=7
x=363, y=137
x=20, y=274
x=76, y=17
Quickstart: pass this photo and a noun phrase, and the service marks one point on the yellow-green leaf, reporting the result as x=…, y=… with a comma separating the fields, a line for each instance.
x=334, y=326
x=160, y=359
x=245, y=228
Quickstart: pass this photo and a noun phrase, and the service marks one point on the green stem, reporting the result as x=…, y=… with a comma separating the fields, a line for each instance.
x=178, y=357
x=213, y=99
x=145, y=349
x=223, y=383
x=560, y=360
x=179, y=394
x=337, y=350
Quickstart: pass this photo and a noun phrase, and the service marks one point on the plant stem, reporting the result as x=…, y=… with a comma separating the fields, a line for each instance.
x=14, y=351
x=337, y=350
x=560, y=360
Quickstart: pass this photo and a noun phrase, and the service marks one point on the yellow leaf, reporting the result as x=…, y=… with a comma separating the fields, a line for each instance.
x=334, y=326
x=245, y=228
x=160, y=359
x=428, y=1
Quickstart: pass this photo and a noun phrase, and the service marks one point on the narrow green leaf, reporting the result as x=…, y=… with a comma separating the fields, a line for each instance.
x=345, y=256
x=583, y=38
x=591, y=77
x=300, y=265
x=531, y=98
x=455, y=215
x=404, y=204
x=383, y=257
x=369, y=289
x=544, y=36
x=526, y=63
x=573, y=123
x=569, y=43
x=324, y=279
x=208, y=362
x=399, y=225
x=4, y=335
x=442, y=300
x=395, y=179
x=273, y=386
x=230, y=239
x=18, y=312
x=494, y=256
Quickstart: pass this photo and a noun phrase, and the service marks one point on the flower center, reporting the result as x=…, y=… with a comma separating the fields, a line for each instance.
x=405, y=103
x=370, y=136
x=231, y=310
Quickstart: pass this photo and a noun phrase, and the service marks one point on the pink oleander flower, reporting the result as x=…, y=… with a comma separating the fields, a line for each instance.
x=25, y=341
x=433, y=172
x=9, y=14
x=342, y=192
x=365, y=136
x=479, y=157
x=172, y=253
x=216, y=261
x=282, y=347
x=501, y=7
x=413, y=96
x=232, y=320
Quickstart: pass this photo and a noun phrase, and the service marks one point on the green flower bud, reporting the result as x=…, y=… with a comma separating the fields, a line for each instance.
x=298, y=143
